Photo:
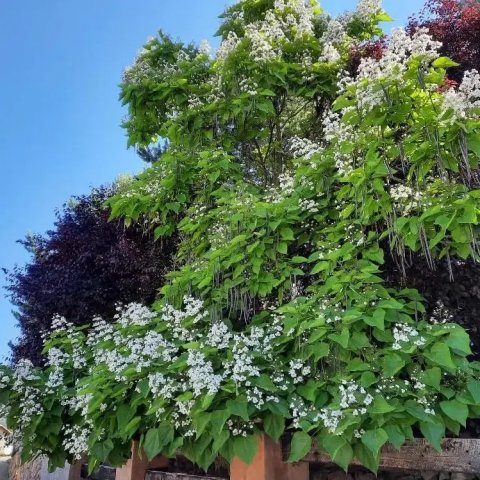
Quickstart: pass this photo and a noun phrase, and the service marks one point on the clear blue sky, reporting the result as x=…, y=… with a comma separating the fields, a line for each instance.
x=59, y=124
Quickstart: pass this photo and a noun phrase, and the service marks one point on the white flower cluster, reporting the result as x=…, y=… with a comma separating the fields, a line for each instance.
x=463, y=102
x=440, y=314
x=239, y=428
x=194, y=101
x=367, y=8
x=205, y=48
x=303, y=148
x=352, y=394
x=298, y=370
x=330, y=418
x=308, y=205
x=330, y=54
x=406, y=334
x=134, y=314
x=286, y=184
x=102, y=331
x=246, y=85
x=405, y=198
x=201, y=375
x=335, y=33
x=23, y=376
x=57, y=359
x=227, y=46
x=75, y=440
x=193, y=310
x=219, y=336
x=375, y=74
x=290, y=20
x=143, y=68
x=161, y=385
x=263, y=35
x=299, y=16
x=359, y=433
x=247, y=348
x=299, y=410
x=59, y=324
x=4, y=380
x=334, y=129
x=182, y=417
x=78, y=403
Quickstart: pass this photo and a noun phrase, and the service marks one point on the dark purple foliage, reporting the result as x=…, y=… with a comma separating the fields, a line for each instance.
x=82, y=268
x=456, y=24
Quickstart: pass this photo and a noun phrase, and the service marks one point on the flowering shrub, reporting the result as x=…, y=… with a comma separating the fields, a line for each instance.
x=287, y=181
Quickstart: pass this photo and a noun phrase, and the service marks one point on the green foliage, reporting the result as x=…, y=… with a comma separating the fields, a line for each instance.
x=287, y=188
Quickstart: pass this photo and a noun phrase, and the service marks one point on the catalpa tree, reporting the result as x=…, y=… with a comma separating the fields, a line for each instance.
x=289, y=182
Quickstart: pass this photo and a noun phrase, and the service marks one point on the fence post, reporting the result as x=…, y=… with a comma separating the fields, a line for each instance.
x=268, y=465
x=136, y=467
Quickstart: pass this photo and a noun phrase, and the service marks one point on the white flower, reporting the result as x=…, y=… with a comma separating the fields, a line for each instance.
x=366, y=8
x=201, y=375
x=330, y=54
x=461, y=102
x=303, y=148
x=405, y=198
x=219, y=336
x=406, y=334
x=205, y=48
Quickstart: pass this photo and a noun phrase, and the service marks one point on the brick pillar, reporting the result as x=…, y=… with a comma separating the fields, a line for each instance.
x=76, y=469
x=137, y=466
x=268, y=465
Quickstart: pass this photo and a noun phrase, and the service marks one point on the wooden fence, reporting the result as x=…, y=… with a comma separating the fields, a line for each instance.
x=458, y=455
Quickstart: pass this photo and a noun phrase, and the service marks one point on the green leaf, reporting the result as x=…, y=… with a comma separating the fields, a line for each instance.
x=434, y=433
x=156, y=439
x=395, y=435
x=366, y=457
x=309, y=390
x=274, y=425
x=380, y=405
x=377, y=319
x=392, y=363
x=125, y=413
x=300, y=446
x=432, y=377
x=282, y=248
x=218, y=420
x=444, y=62
x=319, y=267
x=474, y=389
x=459, y=340
x=440, y=354
x=200, y=422
x=220, y=439
x=239, y=407
x=374, y=440
x=287, y=233
x=319, y=350
x=101, y=450
x=417, y=411
x=245, y=448
x=265, y=382
x=455, y=410
x=367, y=379
x=343, y=338
x=298, y=259
x=339, y=449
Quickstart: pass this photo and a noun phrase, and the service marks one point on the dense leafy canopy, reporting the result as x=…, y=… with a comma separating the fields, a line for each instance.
x=457, y=25
x=83, y=267
x=288, y=182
